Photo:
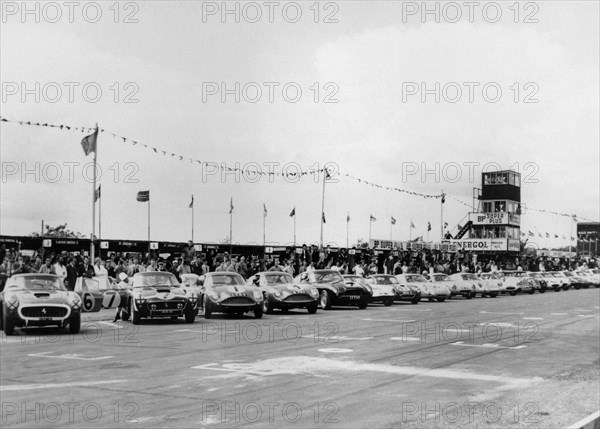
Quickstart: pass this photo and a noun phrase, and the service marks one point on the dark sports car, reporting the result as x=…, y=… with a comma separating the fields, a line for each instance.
x=280, y=291
x=38, y=300
x=333, y=290
x=156, y=294
x=226, y=292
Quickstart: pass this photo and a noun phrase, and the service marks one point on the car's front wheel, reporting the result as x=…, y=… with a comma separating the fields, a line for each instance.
x=494, y=295
x=363, y=303
x=388, y=302
x=135, y=315
x=7, y=324
x=312, y=308
x=207, y=311
x=258, y=312
x=190, y=315
x=441, y=299
x=75, y=323
x=325, y=300
x=415, y=300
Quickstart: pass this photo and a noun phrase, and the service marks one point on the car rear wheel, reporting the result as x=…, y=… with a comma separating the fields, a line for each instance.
x=325, y=300
x=125, y=314
x=513, y=293
x=363, y=303
x=135, y=315
x=75, y=323
x=258, y=313
x=493, y=295
x=441, y=299
x=469, y=296
x=556, y=288
x=388, y=302
x=312, y=308
x=415, y=300
x=543, y=290
x=532, y=291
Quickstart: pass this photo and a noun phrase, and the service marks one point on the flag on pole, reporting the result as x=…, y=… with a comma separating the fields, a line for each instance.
x=547, y=235
x=555, y=235
x=97, y=194
x=428, y=226
x=264, y=210
x=191, y=203
x=540, y=234
x=324, y=217
x=572, y=238
x=231, y=205
x=327, y=175
x=293, y=212
x=89, y=143
x=393, y=220
x=348, y=218
x=531, y=234
x=143, y=196
x=445, y=225
x=412, y=225
x=372, y=218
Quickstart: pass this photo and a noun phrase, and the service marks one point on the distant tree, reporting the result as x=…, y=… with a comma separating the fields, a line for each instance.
x=58, y=231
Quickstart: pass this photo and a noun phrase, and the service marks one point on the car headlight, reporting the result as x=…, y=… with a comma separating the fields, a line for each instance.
x=214, y=295
x=314, y=293
x=192, y=296
x=454, y=287
x=76, y=303
x=12, y=301
x=473, y=287
x=277, y=294
x=369, y=289
x=257, y=295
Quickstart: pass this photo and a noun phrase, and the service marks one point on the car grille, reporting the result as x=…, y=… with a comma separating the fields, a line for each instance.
x=238, y=300
x=45, y=311
x=166, y=305
x=352, y=294
x=298, y=298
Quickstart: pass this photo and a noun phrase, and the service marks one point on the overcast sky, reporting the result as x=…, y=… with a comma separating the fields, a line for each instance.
x=375, y=131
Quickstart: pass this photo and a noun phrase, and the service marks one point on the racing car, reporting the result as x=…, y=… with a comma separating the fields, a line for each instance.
x=385, y=284
x=280, y=292
x=334, y=290
x=227, y=292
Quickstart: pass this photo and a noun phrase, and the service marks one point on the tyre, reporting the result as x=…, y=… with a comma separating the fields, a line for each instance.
x=543, y=290
x=190, y=315
x=266, y=306
x=75, y=323
x=556, y=288
x=258, y=313
x=207, y=311
x=441, y=299
x=135, y=316
x=493, y=295
x=469, y=296
x=513, y=293
x=388, y=302
x=363, y=303
x=415, y=300
x=325, y=300
x=312, y=308
x=532, y=291
x=8, y=324
x=174, y=317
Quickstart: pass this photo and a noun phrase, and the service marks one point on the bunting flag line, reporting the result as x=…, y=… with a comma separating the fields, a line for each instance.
x=88, y=144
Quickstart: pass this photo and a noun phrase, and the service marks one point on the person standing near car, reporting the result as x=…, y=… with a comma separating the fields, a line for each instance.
x=60, y=269
x=72, y=274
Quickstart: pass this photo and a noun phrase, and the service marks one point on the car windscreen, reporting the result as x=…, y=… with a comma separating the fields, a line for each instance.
x=38, y=283
x=328, y=277
x=469, y=277
x=441, y=278
x=277, y=279
x=224, y=280
x=415, y=278
x=384, y=280
x=155, y=279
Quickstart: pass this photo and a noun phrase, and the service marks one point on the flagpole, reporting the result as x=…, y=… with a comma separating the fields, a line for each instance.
x=294, y=227
x=99, y=222
x=442, y=217
x=192, y=218
x=370, y=223
x=323, y=206
x=410, y=232
x=391, y=230
x=264, y=227
x=347, y=228
x=92, y=256
x=148, y=224
x=230, y=231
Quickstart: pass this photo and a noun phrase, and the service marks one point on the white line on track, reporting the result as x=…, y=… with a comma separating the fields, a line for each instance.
x=533, y=318
x=67, y=356
x=409, y=309
x=559, y=314
x=15, y=387
x=486, y=345
x=388, y=320
x=495, y=312
x=405, y=339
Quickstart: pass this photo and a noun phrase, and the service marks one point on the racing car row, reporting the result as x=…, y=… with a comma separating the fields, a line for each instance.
x=41, y=299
